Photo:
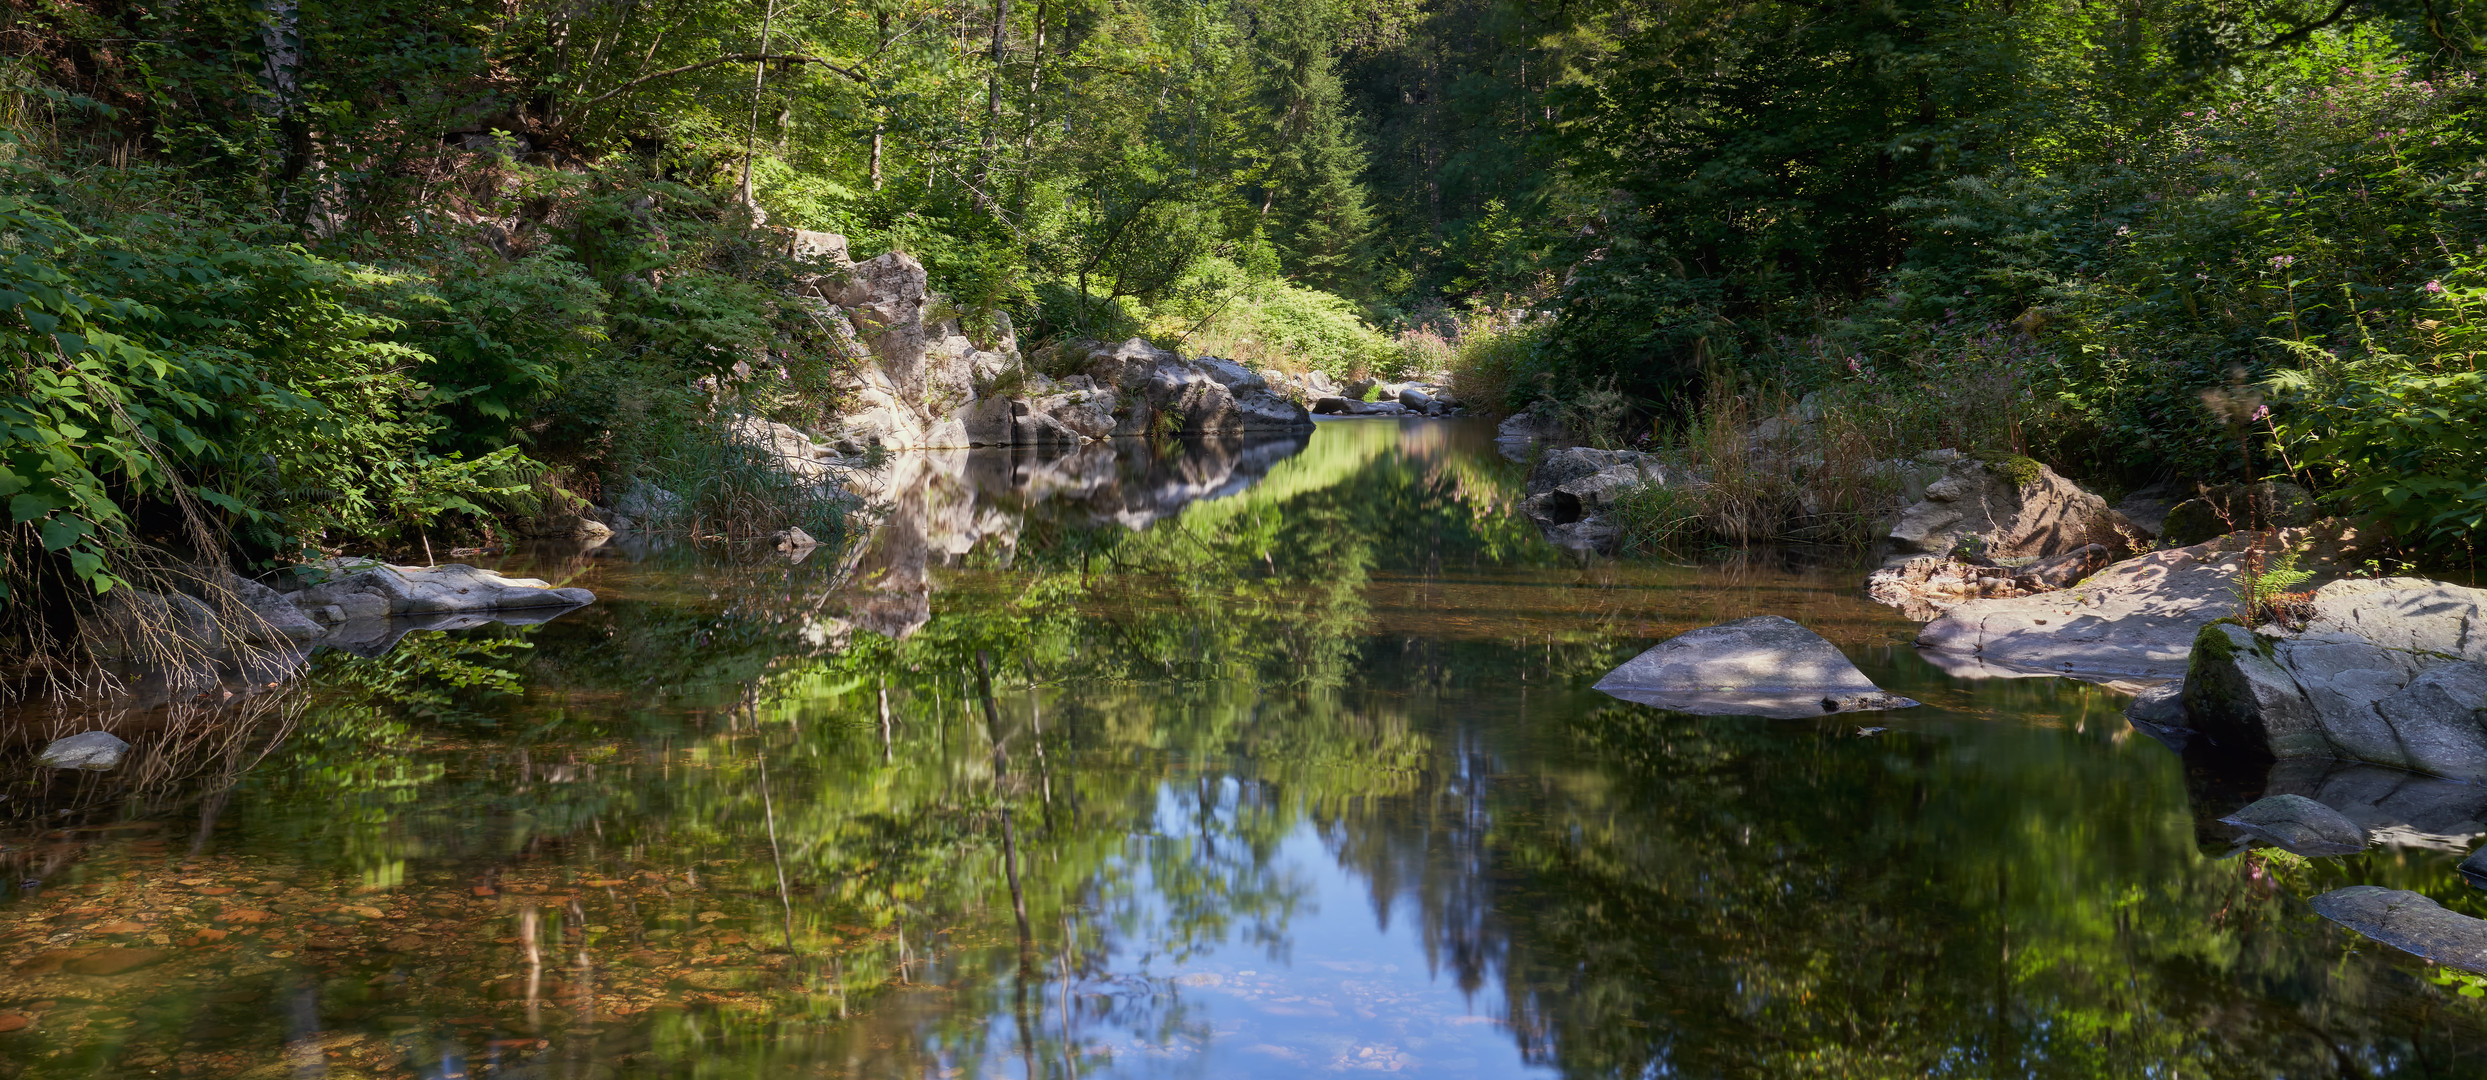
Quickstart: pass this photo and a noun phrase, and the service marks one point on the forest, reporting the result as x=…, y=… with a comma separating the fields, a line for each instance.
x=288, y=277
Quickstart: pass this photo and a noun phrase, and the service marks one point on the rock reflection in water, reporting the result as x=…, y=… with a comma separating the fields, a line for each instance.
x=1302, y=780
x=935, y=507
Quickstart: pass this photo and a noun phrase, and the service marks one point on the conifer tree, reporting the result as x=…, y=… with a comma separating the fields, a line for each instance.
x=1313, y=199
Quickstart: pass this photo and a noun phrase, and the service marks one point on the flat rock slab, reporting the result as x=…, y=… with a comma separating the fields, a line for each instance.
x=2409, y=922
x=2300, y=825
x=1763, y=666
x=2135, y=619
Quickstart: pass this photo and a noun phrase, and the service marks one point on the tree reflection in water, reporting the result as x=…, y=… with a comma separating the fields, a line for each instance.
x=1256, y=719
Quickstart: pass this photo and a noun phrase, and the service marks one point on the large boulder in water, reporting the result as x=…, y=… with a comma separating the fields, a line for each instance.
x=2300, y=825
x=1763, y=666
x=95, y=751
x=1575, y=482
x=2409, y=922
x=1192, y=398
x=2391, y=672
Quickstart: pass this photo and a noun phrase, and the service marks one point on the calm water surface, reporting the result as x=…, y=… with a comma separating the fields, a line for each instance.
x=1289, y=768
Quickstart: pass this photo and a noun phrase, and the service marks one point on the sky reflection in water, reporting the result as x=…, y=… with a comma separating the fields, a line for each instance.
x=1299, y=778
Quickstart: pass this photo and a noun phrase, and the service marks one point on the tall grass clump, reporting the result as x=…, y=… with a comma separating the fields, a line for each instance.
x=732, y=485
x=1492, y=361
x=1823, y=452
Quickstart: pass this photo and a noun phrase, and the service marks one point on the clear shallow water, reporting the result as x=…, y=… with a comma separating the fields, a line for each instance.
x=1290, y=767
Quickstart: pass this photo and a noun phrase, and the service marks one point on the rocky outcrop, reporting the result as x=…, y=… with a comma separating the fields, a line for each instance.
x=883, y=298
x=922, y=381
x=1763, y=666
x=2409, y=922
x=1994, y=530
x=2011, y=509
x=1569, y=490
x=2300, y=825
x=1166, y=393
x=2390, y=672
x=2136, y=619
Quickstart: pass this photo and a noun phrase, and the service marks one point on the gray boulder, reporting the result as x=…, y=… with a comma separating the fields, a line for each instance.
x=2160, y=706
x=818, y=247
x=282, y=618
x=1163, y=384
x=1519, y=434
x=2474, y=868
x=794, y=453
x=2386, y=672
x=2015, y=509
x=884, y=298
x=2300, y=825
x=2409, y=922
x=94, y=751
x=645, y=503
x=1333, y=405
x=1416, y=399
x=2147, y=508
x=1763, y=666
x=1576, y=482
x=1235, y=377
x=2396, y=807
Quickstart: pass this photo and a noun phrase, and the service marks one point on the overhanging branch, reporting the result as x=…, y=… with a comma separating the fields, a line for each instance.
x=732, y=58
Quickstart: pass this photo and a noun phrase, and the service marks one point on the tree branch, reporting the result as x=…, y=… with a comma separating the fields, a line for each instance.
x=2307, y=30
x=731, y=58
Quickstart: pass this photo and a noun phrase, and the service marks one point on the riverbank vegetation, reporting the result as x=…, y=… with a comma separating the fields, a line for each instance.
x=415, y=275
x=2153, y=244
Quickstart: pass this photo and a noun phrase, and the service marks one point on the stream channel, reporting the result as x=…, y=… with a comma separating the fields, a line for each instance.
x=1290, y=768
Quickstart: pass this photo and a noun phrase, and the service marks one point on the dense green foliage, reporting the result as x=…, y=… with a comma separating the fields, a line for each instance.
x=2226, y=240
x=356, y=274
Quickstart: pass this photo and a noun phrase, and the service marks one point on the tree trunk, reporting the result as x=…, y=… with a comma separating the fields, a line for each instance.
x=993, y=101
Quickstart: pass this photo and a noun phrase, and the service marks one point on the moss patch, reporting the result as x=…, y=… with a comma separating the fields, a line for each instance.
x=2020, y=470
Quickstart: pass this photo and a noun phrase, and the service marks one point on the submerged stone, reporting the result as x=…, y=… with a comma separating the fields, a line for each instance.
x=1767, y=665
x=97, y=751
x=2409, y=922
x=2474, y=868
x=2300, y=825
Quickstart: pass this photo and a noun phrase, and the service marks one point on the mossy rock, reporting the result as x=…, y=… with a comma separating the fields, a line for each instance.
x=2021, y=471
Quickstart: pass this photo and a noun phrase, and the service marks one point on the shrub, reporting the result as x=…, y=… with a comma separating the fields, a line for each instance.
x=1491, y=362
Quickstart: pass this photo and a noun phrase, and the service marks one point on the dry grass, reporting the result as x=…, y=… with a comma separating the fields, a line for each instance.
x=1828, y=468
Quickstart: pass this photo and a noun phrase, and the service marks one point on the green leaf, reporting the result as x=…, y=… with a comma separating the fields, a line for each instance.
x=30, y=506
x=60, y=532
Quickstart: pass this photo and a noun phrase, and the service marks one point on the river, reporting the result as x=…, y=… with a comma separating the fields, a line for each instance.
x=1288, y=766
